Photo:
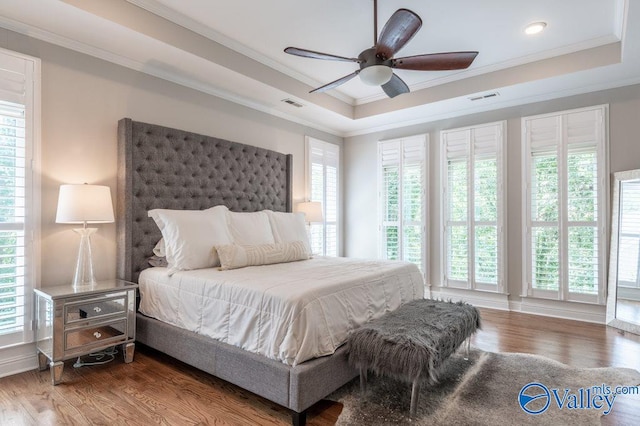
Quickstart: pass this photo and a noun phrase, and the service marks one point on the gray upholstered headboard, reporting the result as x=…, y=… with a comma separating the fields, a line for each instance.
x=159, y=167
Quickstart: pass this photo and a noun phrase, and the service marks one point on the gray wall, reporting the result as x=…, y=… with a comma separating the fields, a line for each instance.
x=82, y=100
x=360, y=160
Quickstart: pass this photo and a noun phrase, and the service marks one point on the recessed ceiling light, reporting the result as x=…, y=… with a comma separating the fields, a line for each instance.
x=535, y=28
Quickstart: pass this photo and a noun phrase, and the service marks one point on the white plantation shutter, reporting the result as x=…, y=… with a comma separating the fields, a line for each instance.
x=583, y=268
x=457, y=148
x=487, y=196
x=401, y=199
x=565, y=200
x=545, y=135
x=413, y=190
x=390, y=160
x=323, y=161
x=473, y=207
x=17, y=218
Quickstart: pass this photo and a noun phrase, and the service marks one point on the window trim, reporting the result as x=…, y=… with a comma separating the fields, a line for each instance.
x=501, y=237
x=602, y=158
x=32, y=223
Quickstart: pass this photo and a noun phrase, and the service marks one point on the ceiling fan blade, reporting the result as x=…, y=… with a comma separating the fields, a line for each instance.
x=395, y=87
x=336, y=83
x=435, y=61
x=398, y=30
x=317, y=55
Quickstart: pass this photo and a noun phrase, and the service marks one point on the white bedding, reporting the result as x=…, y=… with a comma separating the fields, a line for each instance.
x=290, y=312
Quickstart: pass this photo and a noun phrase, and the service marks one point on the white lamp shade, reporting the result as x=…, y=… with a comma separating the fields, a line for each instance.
x=376, y=75
x=84, y=203
x=312, y=210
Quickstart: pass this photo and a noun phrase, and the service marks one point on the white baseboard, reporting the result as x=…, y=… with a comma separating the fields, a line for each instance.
x=550, y=308
x=18, y=359
x=481, y=299
x=566, y=310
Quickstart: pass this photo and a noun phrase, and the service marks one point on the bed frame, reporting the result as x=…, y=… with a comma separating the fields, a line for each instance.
x=160, y=167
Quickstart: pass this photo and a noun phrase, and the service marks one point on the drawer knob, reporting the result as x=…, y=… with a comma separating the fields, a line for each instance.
x=97, y=335
x=97, y=309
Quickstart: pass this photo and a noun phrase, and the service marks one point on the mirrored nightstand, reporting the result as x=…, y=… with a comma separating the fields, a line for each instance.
x=74, y=322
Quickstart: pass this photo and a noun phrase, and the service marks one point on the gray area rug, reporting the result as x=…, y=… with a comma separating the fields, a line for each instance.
x=486, y=390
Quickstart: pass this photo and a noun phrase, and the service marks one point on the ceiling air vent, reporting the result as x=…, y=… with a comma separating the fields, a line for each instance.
x=292, y=102
x=485, y=96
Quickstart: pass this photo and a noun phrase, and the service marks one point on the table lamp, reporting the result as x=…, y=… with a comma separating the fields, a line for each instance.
x=84, y=204
x=312, y=214
x=312, y=211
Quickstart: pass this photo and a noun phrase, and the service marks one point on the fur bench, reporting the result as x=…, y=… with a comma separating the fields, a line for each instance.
x=413, y=342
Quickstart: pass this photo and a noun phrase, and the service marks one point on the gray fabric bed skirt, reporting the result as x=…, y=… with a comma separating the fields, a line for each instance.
x=296, y=388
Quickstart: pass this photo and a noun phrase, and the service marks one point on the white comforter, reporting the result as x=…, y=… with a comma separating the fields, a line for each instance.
x=290, y=312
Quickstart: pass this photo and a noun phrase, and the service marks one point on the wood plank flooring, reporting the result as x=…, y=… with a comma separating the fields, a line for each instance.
x=156, y=389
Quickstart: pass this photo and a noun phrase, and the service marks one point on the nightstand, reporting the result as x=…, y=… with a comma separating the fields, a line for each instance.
x=74, y=322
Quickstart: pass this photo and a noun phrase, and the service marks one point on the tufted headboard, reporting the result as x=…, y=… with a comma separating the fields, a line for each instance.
x=160, y=167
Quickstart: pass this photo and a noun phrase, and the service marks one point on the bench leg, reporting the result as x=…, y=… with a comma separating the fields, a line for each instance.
x=363, y=380
x=466, y=349
x=415, y=395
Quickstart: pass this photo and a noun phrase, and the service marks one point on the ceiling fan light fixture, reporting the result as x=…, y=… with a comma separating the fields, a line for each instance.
x=378, y=62
x=376, y=75
x=535, y=28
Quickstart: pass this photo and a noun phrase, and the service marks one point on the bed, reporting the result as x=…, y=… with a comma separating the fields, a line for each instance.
x=164, y=168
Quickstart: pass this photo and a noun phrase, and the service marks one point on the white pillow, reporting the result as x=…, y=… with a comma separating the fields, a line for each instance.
x=159, y=249
x=190, y=236
x=235, y=256
x=250, y=228
x=288, y=227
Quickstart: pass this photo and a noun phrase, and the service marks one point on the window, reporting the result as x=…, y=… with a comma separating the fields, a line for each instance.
x=402, y=186
x=565, y=205
x=19, y=217
x=473, y=207
x=323, y=165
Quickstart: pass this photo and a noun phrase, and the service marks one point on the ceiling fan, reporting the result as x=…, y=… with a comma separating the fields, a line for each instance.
x=377, y=63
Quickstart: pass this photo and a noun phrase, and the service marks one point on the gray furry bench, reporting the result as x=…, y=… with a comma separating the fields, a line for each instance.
x=412, y=342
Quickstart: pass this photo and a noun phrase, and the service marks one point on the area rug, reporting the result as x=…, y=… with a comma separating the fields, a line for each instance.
x=493, y=388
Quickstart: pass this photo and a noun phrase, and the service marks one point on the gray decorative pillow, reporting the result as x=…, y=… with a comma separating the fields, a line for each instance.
x=235, y=256
x=158, y=261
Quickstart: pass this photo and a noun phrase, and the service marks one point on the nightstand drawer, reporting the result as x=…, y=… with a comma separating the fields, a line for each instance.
x=96, y=335
x=96, y=308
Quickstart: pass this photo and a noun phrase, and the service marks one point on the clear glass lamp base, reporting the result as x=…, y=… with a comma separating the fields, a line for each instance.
x=84, y=265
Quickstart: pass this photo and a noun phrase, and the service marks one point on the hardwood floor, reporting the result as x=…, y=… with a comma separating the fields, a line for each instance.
x=156, y=389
